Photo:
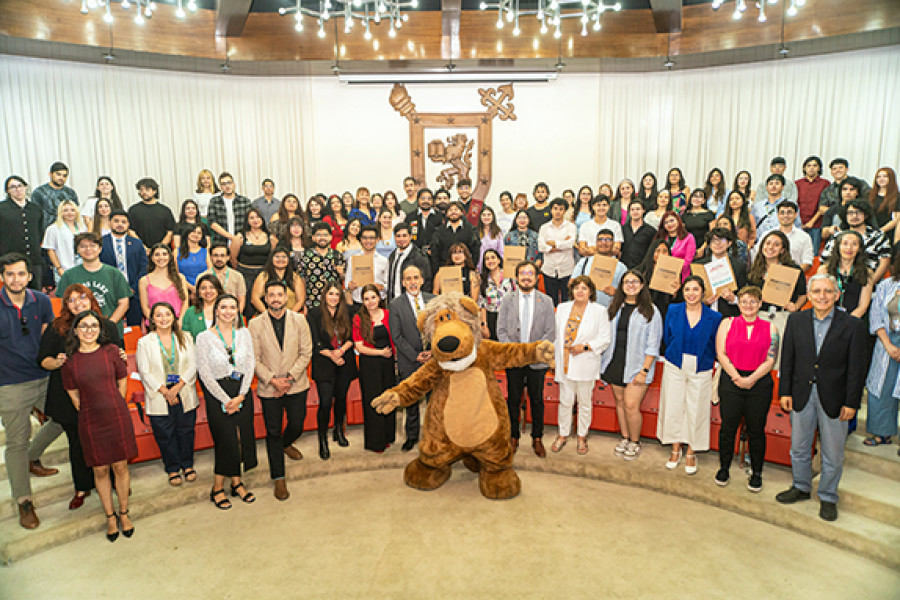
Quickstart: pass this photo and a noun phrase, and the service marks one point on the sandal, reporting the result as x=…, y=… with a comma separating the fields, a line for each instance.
x=224, y=503
x=877, y=440
x=174, y=479
x=115, y=535
x=126, y=532
x=559, y=444
x=582, y=446
x=248, y=497
x=190, y=474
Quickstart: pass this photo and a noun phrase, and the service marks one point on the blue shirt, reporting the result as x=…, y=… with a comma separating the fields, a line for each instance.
x=820, y=330
x=20, y=350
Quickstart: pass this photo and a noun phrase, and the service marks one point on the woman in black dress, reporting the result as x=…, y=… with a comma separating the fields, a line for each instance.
x=52, y=356
x=333, y=363
x=96, y=378
x=249, y=252
x=372, y=337
x=459, y=256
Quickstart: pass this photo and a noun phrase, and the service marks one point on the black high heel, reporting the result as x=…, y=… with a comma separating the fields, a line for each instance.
x=340, y=438
x=127, y=532
x=248, y=497
x=113, y=536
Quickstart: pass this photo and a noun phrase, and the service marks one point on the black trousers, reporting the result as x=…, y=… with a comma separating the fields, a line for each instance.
x=556, y=288
x=333, y=393
x=492, y=323
x=174, y=434
x=413, y=412
x=277, y=439
x=233, y=438
x=376, y=374
x=516, y=382
x=82, y=475
x=753, y=407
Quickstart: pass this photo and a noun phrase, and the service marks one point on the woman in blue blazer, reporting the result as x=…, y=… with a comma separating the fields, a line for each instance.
x=686, y=388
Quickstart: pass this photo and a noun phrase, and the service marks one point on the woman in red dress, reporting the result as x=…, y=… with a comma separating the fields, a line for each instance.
x=96, y=379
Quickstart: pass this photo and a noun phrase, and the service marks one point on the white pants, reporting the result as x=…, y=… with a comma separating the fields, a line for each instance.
x=684, y=407
x=569, y=391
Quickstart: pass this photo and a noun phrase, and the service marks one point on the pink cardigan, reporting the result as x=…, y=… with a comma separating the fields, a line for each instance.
x=685, y=248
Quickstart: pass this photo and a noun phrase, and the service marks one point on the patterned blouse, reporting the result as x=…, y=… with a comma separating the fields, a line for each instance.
x=494, y=293
x=528, y=238
x=317, y=270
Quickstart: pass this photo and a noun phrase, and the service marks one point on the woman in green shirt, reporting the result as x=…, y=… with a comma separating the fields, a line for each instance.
x=197, y=318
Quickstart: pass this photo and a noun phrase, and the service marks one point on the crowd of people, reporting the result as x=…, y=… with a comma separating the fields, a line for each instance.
x=236, y=290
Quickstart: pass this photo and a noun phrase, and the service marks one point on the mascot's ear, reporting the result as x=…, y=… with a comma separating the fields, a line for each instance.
x=420, y=320
x=469, y=305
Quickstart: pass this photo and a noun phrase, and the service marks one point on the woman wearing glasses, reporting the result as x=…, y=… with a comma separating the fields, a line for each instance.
x=97, y=379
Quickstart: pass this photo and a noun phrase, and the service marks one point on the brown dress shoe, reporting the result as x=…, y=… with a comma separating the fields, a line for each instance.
x=514, y=444
x=293, y=453
x=27, y=517
x=40, y=470
x=281, y=491
x=538, y=446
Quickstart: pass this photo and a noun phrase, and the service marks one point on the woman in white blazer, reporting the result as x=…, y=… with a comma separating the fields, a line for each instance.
x=168, y=368
x=582, y=334
x=628, y=363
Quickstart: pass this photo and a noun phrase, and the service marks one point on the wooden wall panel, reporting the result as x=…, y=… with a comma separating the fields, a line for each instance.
x=271, y=37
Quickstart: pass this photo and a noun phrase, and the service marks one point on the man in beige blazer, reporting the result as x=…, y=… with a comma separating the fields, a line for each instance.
x=283, y=349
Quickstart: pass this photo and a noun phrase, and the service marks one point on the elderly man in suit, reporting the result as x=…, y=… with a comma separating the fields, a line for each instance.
x=526, y=315
x=823, y=367
x=411, y=354
x=283, y=347
x=125, y=253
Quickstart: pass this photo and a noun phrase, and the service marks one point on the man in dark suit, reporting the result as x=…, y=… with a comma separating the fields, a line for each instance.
x=526, y=315
x=720, y=243
x=125, y=253
x=411, y=354
x=405, y=254
x=423, y=222
x=823, y=367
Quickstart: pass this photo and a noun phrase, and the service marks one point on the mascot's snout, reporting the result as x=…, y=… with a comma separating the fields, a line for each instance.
x=448, y=343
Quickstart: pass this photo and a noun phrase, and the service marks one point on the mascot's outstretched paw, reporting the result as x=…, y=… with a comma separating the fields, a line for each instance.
x=545, y=352
x=471, y=463
x=422, y=477
x=386, y=402
x=499, y=485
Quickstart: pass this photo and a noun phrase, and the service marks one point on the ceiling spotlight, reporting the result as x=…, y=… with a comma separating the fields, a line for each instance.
x=516, y=31
x=669, y=63
x=192, y=6
x=783, y=52
x=281, y=10
x=557, y=34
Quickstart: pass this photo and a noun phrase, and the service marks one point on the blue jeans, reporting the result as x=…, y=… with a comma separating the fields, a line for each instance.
x=816, y=234
x=832, y=435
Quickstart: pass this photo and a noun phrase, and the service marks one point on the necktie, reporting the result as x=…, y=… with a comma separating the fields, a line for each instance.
x=418, y=303
x=526, y=321
x=120, y=256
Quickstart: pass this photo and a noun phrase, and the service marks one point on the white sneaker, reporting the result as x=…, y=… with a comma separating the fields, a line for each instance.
x=621, y=446
x=632, y=451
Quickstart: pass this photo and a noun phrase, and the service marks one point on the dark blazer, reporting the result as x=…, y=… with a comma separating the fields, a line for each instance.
x=444, y=237
x=323, y=368
x=135, y=258
x=726, y=309
x=839, y=369
x=406, y=334
x=423, y=229
x=415, y=257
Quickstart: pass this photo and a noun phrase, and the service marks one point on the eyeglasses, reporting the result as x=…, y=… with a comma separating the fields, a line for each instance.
x=92, y=327
x=854, y=212
x=73, y=298
x=15, y=186
x=24, y=322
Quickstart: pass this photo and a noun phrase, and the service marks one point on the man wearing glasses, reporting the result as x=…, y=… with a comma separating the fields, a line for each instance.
x=22, y=224
x=24, y=314
x=227, y=211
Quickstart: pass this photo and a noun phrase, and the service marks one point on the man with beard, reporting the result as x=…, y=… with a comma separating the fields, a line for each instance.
x=408, y=204
x=48, y=197
x=232, y=281
x=424, y=221
x=404, y=255
x=125, y=253
x=368, y=238
x=283, y=348
x=455, y=230
x=540, y=210
x=320, y=264
x=151, y=221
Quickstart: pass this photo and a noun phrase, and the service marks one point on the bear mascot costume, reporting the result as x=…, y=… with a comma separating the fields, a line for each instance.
x=466, y=418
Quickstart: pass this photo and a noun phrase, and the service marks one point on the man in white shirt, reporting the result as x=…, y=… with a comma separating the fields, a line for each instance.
x=368, y=237
x=801, y=243
x=604, y=247
x=587, y=234
x=777, y=167
x=556, y=240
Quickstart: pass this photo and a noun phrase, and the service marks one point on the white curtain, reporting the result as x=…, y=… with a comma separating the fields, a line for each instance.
x=315, y=134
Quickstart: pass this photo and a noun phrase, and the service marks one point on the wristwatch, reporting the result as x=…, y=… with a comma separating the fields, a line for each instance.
x=586, y=348
x=645, y=370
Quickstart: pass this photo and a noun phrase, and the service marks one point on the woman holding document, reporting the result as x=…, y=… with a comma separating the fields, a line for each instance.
x=461, y=268
x=774, y=265
x=681, y=244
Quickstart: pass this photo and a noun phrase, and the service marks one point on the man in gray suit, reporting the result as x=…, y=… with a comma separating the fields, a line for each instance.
x=411, y=354
x=526, y=315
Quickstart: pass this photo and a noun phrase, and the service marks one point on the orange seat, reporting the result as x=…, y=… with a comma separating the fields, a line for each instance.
x=57, y=305
x=131, y=337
